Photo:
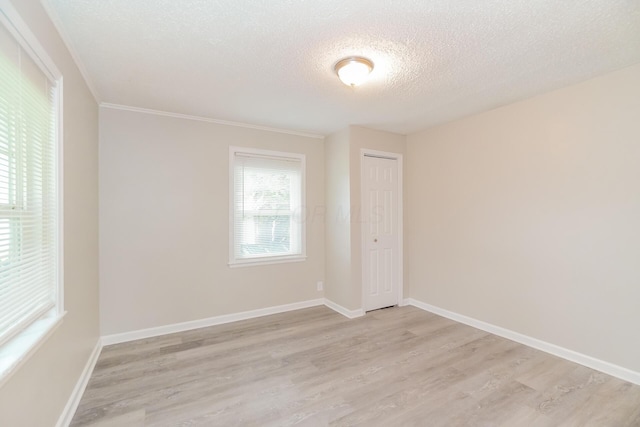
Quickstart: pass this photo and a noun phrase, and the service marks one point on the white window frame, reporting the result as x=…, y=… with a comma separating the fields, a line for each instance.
x=265, y=260
x=25, y=343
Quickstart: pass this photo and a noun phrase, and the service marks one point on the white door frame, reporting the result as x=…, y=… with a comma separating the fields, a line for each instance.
x=363, y=238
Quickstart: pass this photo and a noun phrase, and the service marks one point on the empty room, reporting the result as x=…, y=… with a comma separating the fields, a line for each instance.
x=278, y=213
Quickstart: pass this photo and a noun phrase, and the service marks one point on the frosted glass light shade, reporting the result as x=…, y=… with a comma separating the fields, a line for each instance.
x=354, y=70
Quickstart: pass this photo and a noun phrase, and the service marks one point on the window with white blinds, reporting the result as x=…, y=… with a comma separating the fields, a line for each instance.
x=28, y=193
x=267, y=199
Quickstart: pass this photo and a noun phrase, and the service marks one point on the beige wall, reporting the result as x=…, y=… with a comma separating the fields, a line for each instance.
x=338, y=287
x=36, y=394
x=164, y=223
x=527, y=217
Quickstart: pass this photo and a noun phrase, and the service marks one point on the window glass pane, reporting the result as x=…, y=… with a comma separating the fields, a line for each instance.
x=267, y=189
x=4, y=177
x=266, y=235
x=4, y=248
x=28, y=196
x=267, y=201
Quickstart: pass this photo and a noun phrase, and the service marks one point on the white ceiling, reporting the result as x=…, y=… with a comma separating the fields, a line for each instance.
x=270, y=63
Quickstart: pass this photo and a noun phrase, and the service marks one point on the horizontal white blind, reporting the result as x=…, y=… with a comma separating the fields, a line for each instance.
x=267, y=206
x=28, y=245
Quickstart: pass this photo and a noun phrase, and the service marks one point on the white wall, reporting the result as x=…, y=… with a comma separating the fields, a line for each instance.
x=164, y=223
x=36, y=394
x=528, y=217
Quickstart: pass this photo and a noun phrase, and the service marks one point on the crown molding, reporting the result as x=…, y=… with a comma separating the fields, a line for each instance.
x=208, y=120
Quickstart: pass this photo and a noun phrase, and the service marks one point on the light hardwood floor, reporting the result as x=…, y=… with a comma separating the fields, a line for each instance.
x=393, y=367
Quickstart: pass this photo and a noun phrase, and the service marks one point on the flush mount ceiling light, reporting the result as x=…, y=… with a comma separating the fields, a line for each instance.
x=353, y=70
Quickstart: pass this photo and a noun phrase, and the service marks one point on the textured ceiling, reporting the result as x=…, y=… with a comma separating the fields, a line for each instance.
x=270, y=63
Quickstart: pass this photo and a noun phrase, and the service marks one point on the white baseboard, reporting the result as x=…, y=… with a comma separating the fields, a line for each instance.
x=573, y=356
x=74, y=400
x=351, y=314
x=203, y=323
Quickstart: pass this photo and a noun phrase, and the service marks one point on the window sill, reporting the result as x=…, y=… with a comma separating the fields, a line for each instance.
x=20, y=348
x=266, y=261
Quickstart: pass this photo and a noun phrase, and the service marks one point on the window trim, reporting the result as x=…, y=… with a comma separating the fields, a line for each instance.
x=266, y=260
x=24, y=344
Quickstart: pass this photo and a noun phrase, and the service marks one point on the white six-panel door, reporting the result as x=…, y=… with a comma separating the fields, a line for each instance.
x=380, y=213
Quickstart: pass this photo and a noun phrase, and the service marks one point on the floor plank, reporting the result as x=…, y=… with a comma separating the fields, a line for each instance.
x=393, y=367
